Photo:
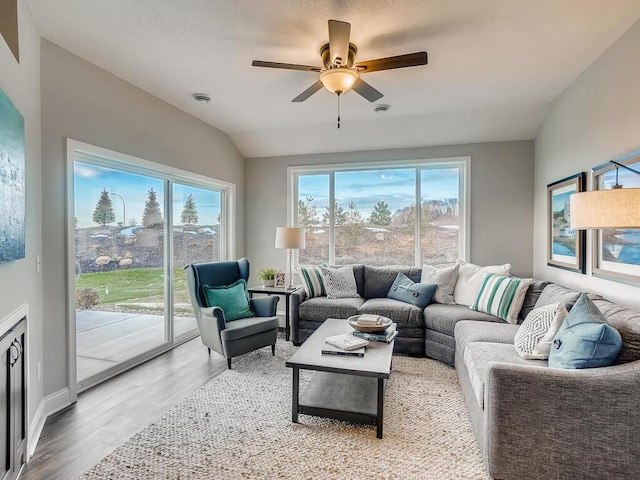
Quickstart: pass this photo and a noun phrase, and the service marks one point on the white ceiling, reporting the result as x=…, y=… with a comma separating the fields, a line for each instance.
x=494, y=65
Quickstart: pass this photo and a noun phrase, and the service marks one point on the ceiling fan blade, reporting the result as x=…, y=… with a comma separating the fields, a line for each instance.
x=388, y=63
x=308, y=92
x=366, y=90
x=286, y=66
x=339, y=33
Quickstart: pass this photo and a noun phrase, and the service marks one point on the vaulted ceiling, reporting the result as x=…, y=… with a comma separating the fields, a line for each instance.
x=494, y=65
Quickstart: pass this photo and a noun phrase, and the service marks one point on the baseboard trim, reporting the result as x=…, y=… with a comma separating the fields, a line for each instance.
x=57, y=401
x=35, y=429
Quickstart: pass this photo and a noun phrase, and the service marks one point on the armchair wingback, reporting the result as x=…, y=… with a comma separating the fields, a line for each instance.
x=236, y=337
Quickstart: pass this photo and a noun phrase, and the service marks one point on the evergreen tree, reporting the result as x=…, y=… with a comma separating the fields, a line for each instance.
x=189, y=212
x=340, y=216
x=152, y=216
x=381, y=214
x=103, y=212
x=307, y=214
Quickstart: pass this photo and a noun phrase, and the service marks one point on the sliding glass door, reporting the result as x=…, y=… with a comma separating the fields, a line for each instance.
x=134, y=231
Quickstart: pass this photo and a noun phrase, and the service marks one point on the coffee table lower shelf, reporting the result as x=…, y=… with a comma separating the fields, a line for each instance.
x=340, y=396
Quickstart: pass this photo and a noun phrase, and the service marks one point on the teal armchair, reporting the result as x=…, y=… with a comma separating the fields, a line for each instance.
x=237, y=337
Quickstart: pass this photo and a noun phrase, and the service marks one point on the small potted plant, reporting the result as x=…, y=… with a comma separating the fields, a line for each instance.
x=267, y=275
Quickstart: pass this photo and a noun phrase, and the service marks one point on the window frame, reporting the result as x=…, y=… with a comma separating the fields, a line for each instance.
x=83, y=152
x=463, y=163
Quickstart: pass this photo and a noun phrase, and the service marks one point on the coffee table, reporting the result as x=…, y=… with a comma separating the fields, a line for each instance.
x=346, y=388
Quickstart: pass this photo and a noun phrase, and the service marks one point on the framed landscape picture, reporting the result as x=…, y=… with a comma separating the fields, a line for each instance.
x=616, y=252
x=12, y=181
x=565, y=246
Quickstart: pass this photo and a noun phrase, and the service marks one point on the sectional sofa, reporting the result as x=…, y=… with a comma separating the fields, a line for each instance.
x=530, y=421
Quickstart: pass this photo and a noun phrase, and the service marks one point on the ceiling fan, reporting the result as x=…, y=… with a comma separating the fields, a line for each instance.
x=340, y=74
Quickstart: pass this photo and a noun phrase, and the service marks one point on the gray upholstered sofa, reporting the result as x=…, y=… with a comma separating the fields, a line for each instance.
x=530, y=421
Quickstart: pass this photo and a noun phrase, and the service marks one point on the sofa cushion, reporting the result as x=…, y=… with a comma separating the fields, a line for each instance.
x=378, y=280
x=470, y=331
x=408, y=291
x=339, y=282
x=470, y=278
x=585, y=340
x=478, y=356
x=533, y=294
x=533, y=340
x=445, y=280
x=501, y=296
x=312, y=281
x=404, y=314
x=443, y=318
x=553, y=293
x=321, y=308
x=627, y=322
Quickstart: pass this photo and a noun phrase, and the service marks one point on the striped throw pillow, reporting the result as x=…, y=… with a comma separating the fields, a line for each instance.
x=501, y=296
x=312, y=281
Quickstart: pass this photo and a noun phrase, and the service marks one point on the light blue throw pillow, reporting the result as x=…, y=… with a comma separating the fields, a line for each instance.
x=232, y=299
x=585, y=340
x=408, y=291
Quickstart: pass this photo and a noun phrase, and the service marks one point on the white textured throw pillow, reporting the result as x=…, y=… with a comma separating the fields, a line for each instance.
x=340, y=282
x=470, y=279
x=535, y=335
x=445, y=280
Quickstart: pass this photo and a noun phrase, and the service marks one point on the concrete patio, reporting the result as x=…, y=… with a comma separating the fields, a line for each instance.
x=105, y=339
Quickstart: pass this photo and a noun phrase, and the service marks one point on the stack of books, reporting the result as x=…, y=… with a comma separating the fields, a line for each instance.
x=345, y=344
x=386, y=336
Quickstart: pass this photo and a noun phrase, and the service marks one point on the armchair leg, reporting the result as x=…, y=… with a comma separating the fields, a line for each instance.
x=229, y=363
x=273, y=350
x=209, y=350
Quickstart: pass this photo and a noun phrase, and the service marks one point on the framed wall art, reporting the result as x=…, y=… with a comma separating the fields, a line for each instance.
x=565, y=246
x=616, y=252
x=12, y=181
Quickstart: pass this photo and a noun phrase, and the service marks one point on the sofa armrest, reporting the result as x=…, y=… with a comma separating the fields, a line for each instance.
x=555, y=423
x=296, y=299
x=265, y=306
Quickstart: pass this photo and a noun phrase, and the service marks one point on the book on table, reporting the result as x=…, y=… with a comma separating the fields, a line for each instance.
x=332, y=350
x=386, y=336
x=347, y=342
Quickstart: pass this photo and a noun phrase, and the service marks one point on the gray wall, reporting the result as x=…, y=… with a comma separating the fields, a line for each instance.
x=501, y=199
x=85, y=103
x=19, y=283
x=594, y=120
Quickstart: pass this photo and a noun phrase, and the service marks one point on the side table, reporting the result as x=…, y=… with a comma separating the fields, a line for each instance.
x=277, y=291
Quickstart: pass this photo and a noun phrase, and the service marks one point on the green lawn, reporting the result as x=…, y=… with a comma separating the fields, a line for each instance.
x=136, y=285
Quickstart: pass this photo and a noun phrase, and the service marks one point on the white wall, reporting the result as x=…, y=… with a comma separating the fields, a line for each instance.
x=85, y=103
x=594, y=120
x=19, y=283
x=501, y=199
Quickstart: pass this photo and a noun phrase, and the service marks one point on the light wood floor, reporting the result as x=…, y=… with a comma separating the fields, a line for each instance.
x=105, y=416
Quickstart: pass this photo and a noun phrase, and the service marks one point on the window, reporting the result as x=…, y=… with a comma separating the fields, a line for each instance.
x=368, y=214
x=134, y=225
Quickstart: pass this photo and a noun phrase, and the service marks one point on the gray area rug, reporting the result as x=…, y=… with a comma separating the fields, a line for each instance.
x=238, y=426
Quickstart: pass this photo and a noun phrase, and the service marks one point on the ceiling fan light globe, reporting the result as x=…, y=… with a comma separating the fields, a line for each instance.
x=339, y=79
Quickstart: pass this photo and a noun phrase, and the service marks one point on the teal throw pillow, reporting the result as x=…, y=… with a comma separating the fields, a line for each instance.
x=585, y=340
x=408, y=291
x=232, y=299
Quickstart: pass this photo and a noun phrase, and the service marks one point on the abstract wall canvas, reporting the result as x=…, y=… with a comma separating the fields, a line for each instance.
x=12, y=181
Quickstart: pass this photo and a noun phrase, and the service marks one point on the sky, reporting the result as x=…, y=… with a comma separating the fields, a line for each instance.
x=90, y=180
x=368, y=187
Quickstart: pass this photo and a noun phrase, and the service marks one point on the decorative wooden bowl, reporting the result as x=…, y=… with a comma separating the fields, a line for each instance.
x=353, y=321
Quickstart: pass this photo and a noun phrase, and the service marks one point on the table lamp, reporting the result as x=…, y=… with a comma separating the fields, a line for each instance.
x=290, y=238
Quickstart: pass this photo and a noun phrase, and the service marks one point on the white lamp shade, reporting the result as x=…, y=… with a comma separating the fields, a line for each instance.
x=288, y=237
x=617, y=208
x=339, y=79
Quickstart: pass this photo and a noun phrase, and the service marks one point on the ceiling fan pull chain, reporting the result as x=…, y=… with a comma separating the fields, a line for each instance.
x=338, y=111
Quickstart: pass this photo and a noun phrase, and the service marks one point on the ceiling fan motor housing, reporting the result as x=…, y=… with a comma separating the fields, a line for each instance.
x=326, y=57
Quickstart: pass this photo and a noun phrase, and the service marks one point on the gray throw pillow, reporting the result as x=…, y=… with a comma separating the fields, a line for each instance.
x=340, y=282
x=445, y=280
